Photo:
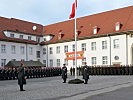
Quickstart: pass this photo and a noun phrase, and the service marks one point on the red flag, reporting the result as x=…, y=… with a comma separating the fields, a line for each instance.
x=72, y=15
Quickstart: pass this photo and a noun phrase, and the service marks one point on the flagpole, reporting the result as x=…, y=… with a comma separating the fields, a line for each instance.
x=75, y=31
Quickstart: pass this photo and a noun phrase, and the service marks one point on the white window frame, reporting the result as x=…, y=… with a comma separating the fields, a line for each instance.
x=44, y=50
x=116, y=43
x=51, y=62
x=50, y=50
x=104, y=44
x=83, y=46
x=29, y=37
x=21, y=36
x=38, y=54
x=83, y=61
x=44, y=62
x=93, y=60
x=66, y=48
x=73, y=47
x=3, y=62
x=58, y=49
x=21, y=49
x=58, y=62
x=3, y=48
x=11, y=35
x=104, y=60
x=73, y=62
x=13, y=49
x=93, y=46
x=30, y=50
x=66, y=62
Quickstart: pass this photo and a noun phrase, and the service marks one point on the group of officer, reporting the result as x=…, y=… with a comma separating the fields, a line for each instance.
x=85, y=72
x=112, y=70
x=105, y=70
x=30, y=72
x=38, y=72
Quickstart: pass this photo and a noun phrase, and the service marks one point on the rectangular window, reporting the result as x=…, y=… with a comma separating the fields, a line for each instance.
x=93, y=61
x=116, y=43
x=22, y=50
x=51, y=62
x=38, y=54
x=3, y=62
x=83, y=61
x=58, y=49
x=21, y=36
x=58, y=62
x=93, y=46
x=66, y=48
x=73, y=47
x=66, y=62
x=44, y=62
x=104, y=60
x=13, y=49
x=31, y=50
x=11, y=35
x=3, y=48
x=50, y=50
x=83, y=46
x=44, y=50
x=29, y=37
x=104, y=44
x=38, y=39
x=73, y=62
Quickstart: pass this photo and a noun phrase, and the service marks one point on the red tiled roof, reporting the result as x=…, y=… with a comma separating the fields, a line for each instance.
x=19, y=26
x=104, y=21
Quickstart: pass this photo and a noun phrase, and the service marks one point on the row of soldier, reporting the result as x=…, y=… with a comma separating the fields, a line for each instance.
x=105, y=70
x=33, y=72
x=30, y=72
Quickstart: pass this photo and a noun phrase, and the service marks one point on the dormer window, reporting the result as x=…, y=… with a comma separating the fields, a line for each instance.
x=38, y=39
x=44, y=39
x=21, y=36
x=95, y=30
x=12, y=35
x=29, y=37
x=117, y=26
x=60, y=35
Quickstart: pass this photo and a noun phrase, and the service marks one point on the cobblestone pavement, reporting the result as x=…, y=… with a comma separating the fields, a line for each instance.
x=52, y=88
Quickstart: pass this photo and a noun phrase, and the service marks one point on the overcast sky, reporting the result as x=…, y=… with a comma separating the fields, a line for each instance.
x=47, y=12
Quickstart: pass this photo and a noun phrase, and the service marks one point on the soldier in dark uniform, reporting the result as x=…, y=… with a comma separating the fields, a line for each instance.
x=21, y=77
x=64, y=73
x=71, y=71
x=85, y=73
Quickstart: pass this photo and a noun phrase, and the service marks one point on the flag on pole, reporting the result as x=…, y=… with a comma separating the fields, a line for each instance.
x=72, y=15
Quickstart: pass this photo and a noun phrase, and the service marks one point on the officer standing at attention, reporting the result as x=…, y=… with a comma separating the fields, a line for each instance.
x=85, y=73
x=64, y=73
x=21, y=77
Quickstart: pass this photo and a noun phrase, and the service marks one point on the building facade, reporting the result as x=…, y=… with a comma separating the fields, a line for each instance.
x=102, y=39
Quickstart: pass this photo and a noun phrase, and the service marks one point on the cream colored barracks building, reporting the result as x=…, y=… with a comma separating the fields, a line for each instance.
x=102, y=39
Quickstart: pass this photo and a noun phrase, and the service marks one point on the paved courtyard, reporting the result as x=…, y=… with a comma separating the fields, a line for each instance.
x=52, y=88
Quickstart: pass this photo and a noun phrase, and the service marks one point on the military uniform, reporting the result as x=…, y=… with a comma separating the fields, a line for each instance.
x=64, y=73
x=21, y=77
x=85, y=73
